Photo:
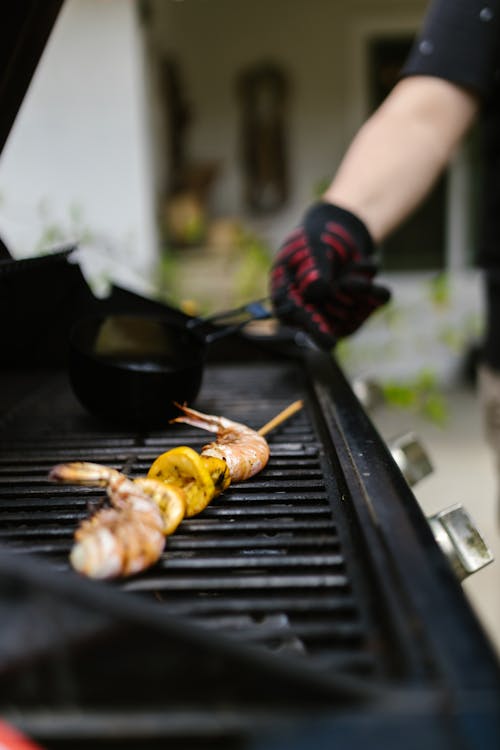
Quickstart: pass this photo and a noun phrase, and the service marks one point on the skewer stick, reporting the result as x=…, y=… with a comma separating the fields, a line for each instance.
x=281, y=417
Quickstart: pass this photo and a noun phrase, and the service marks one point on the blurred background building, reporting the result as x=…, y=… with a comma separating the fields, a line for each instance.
x=177, y=141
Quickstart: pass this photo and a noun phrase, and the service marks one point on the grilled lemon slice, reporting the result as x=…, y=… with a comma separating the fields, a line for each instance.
x=219, y=472
x=185, y=468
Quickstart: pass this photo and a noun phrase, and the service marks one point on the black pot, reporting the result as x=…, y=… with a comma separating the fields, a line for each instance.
x=131, y=369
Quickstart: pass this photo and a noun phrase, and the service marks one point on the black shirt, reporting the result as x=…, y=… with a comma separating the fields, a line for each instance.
x=460, y=42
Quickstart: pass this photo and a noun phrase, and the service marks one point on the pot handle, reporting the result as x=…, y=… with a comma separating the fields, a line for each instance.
x=255, y=310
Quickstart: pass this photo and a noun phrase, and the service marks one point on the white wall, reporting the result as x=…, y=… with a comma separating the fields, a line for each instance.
x=78, y=156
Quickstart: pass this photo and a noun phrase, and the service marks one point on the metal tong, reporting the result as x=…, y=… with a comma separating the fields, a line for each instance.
x=260, y=309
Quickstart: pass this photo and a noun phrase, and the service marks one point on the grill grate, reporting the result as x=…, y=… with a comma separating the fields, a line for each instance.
x=265, y=562
x=288, y=597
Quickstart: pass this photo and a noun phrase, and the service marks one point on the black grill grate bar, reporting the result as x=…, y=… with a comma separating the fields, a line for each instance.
x=276, y=627
x=286, y=459
x=286, y=491
x=275, y=496
x=204, y=563
x=75, y=440
x=305, y=474
x=41, y=464
x=322, y=603
x=263, y=525
x=291, y=450
x=52, y=439
x=237, y=543
x=249, y=509
x=18, y=489
x=53, y=548
x=177, y=541
x=199, y=527
x=33, y=496
x=34, y=501
x=220, y=583
x=167, y=440
x=291, y=432
x=300, y=449
x=29, y=532
x=277, y=472
x=48, y=491
x=277, y=484
x=246, y=565
x=44, y=515
x=42, y=455
x=38, y=473
x=43, y=459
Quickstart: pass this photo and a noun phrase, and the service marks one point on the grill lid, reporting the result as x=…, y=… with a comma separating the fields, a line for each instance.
x=25, y=28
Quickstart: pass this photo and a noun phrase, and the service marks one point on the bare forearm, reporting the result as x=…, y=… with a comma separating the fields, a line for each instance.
x=400, y=152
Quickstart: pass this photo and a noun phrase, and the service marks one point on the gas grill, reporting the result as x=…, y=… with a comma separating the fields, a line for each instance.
x=307, y=607
x=312, y=596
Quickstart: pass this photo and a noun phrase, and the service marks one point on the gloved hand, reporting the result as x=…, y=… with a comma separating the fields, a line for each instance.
x=323, y=275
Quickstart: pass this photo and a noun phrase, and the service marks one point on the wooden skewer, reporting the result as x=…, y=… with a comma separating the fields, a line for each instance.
x=281, y=417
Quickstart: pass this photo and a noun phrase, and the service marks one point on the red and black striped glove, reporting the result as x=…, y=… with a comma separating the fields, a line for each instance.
x=323, y=275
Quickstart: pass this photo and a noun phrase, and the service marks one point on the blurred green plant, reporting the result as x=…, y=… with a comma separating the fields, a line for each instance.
x=165, y=276
x=421, y=395
x=55, y=233
x=251, y=277
x=440, y=290
x=454, y=332
x=245, y=270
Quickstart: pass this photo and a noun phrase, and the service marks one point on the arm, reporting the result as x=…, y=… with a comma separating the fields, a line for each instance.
x=323, y=271
x=401, y=150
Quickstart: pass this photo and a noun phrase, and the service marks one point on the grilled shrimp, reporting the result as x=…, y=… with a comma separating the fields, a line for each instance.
x=130, y=536
x=116, y=543
x=243, y=449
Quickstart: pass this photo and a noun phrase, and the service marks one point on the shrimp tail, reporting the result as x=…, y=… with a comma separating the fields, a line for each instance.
x=81, y=472
x=120, y=489
x=195, y=418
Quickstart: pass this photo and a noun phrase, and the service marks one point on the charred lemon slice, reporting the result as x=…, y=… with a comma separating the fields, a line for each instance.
x=219, y=472
x=170, y=499
x=185, y=468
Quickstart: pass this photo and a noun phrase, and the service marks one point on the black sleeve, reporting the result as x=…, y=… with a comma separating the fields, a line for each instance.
x=460, y=42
